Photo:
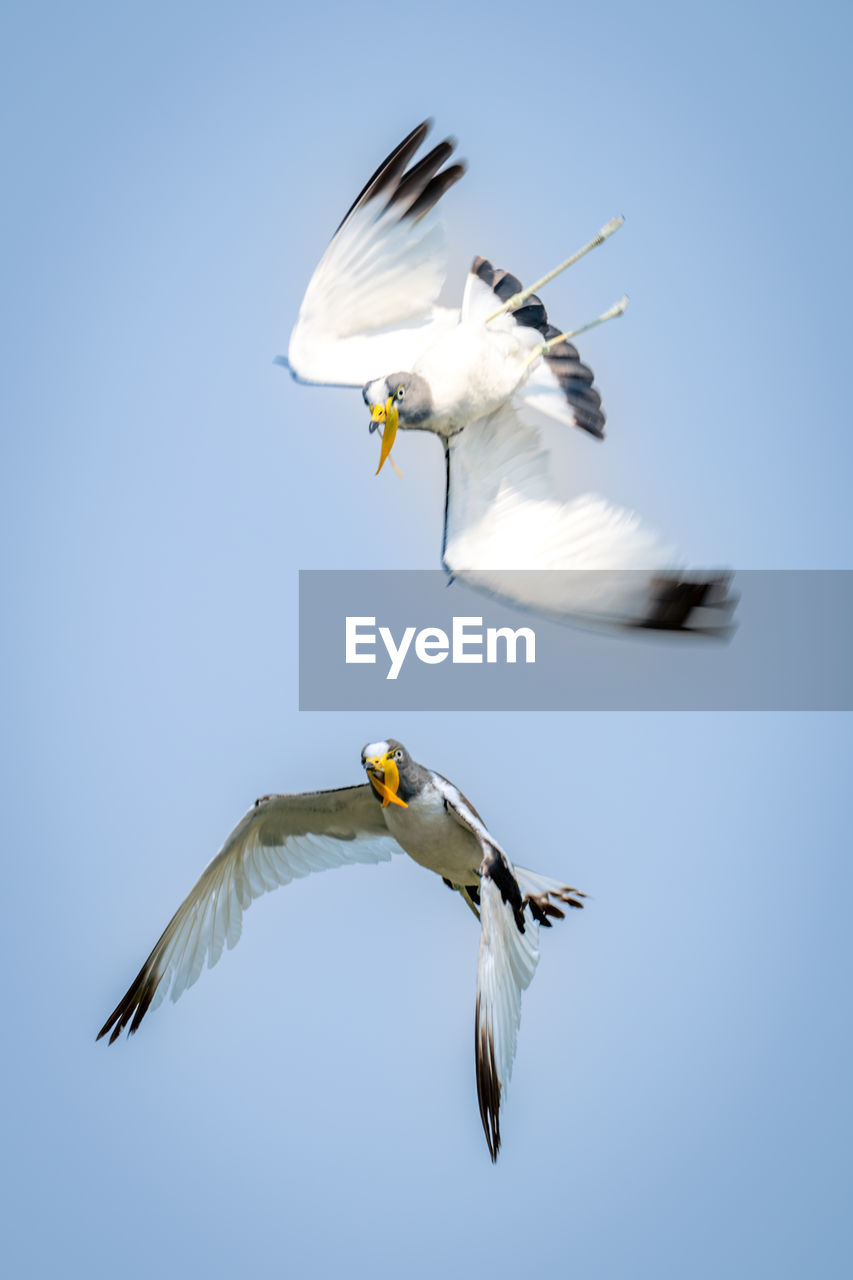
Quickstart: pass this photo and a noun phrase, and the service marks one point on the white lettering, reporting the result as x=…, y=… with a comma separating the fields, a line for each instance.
x=511, y=638
x=431, y=645
x=461, y=638
x=354, y=639
x=397, y=655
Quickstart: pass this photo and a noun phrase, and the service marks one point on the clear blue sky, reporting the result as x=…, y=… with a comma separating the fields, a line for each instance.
x=681, y=1101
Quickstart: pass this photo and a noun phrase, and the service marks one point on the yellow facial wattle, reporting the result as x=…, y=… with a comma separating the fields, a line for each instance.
x=390, y=784
x=388, y=414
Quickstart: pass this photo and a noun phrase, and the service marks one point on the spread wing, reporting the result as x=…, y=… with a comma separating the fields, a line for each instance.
x=370, y=306
x=509, y=953
x=279, y=840
x=507, y=962
x=504, y=522
x=559, y=385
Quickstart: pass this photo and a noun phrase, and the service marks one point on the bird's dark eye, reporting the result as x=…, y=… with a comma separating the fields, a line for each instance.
x=398, y=755
x=401, y=391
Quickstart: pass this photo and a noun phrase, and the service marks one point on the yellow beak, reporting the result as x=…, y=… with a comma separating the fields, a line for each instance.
x=388, y=414
x=388, y=786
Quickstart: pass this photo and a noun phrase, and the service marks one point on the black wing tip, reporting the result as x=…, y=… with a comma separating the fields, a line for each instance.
x=488, y=1085
x=134, y=1005
x=114, y=1024
x=698, y=603
x=411, y=142
x=395, y=177
x=434, y=190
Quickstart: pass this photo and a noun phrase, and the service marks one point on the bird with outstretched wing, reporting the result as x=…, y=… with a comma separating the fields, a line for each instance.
x=476, y=376
x=402, y=807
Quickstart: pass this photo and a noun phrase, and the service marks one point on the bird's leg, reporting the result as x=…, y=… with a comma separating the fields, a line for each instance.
x=517, y=299
x=467, y=897
x=544, y=347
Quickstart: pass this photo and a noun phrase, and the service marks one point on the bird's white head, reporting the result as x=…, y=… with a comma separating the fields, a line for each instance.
x=382, y=762
x=400, y=400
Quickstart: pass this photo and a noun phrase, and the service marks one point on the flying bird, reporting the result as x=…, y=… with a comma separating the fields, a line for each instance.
x=403, y=807
x=475, y=375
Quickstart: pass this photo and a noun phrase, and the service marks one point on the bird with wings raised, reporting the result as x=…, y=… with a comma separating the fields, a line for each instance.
x=403, y=807
x=474, y=375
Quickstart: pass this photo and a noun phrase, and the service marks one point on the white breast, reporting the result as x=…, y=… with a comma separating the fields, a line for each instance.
x=471, y=371
x=434, y=839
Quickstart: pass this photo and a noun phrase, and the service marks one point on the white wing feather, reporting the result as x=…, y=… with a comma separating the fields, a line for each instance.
x=506, y=965
x=504, y=515
x=370, y=306
x=281, y=839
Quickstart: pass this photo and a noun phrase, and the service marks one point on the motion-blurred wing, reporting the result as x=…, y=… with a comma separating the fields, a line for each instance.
x=506, y=965
x=370, y=305
x=280, y=839
x=504, y=523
